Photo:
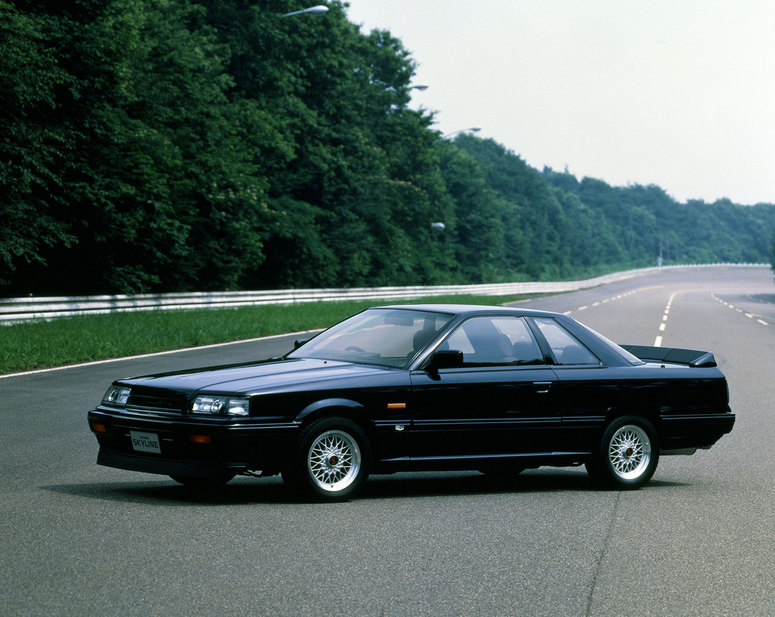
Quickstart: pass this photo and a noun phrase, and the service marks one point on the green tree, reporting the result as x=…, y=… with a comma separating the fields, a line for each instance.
x=477, y=226
x=353, y=179
x=772, y=254
x=160, y=145
x=539, y=214
x=152, y=180
x=33, y=142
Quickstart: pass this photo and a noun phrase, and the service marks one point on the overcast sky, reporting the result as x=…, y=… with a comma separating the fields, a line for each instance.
x=678, y=93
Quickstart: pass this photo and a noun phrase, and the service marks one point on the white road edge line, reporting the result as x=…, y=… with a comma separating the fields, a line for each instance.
x=739, y=310
x=151, y=355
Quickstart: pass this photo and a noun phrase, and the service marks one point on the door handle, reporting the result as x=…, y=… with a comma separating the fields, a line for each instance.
x=542, y=387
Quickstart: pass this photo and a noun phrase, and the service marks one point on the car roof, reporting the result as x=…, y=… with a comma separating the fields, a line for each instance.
x=469, y=309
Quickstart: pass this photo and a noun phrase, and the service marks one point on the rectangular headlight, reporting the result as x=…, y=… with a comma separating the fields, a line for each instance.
x=220, y=405
x=116, y=395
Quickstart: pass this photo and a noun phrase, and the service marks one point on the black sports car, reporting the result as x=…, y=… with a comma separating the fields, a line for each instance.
x=421, y=387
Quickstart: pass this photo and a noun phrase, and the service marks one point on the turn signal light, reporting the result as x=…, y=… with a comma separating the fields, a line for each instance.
x=99, y=427
x=202, y=439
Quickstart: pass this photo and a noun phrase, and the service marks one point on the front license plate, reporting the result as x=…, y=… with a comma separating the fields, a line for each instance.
x=145, y=442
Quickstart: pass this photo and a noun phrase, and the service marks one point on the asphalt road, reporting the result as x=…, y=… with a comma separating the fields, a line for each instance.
x=699, y=539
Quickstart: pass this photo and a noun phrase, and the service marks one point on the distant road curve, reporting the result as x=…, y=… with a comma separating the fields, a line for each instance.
x=15, y=310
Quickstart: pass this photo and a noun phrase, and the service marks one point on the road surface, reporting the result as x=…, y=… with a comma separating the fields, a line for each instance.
x=699, y=539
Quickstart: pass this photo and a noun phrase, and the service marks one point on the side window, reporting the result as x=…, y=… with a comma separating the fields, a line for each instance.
x=565, y=347
x=495, y=340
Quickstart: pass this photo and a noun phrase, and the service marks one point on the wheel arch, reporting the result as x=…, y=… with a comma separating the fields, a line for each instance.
x=336, y=407
x=633, y=410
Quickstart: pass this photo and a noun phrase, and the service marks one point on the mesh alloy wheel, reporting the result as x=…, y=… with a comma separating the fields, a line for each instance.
x=627, y=455
x=629, y=452
x=334, y=460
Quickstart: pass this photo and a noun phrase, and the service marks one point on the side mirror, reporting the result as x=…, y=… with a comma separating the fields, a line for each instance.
x=299, y=342
x=447, y=358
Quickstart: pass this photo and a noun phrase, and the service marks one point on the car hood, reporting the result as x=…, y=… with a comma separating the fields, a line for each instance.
x=256, y=377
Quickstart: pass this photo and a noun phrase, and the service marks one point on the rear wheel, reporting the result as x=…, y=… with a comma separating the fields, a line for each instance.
x=627, y=455
x=332, y=460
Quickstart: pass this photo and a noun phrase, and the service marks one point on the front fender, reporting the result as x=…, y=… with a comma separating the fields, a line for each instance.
x=328, y=403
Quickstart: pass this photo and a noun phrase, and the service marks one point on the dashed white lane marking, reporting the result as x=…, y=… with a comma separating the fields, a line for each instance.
x=663, y=325
x=611, y=299
x=752, y=316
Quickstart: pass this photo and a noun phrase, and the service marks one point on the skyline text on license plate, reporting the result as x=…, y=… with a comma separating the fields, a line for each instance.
x=145, y=442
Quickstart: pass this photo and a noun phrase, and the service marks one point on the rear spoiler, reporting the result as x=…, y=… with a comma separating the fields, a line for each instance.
x=671, y=355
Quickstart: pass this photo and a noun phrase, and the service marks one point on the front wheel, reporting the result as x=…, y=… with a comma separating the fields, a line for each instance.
x=628, y=454
x=332, y=460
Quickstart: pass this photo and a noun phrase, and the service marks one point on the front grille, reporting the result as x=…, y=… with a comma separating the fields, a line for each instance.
x=157, y=400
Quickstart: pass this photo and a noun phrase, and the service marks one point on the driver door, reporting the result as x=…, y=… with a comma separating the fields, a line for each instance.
x=498, y=403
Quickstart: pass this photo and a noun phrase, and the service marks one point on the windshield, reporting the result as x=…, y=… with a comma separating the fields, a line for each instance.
x=387, y=337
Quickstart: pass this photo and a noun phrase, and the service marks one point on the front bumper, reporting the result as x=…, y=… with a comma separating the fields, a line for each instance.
x=192, y=447
x=169, y=467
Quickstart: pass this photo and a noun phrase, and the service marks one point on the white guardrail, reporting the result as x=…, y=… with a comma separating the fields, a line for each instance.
x=15, y=310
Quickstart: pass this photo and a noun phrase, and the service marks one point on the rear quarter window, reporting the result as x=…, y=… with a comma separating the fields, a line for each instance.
x=566, y=348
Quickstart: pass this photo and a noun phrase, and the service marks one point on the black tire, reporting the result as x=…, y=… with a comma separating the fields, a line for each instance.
x=203, y=484
x=627, y=455
x=332, y=460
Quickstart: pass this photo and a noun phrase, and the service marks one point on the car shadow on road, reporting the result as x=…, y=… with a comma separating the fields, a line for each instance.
x=544, y=480
x=266, y=490
x=245, y=491
x=473, y=483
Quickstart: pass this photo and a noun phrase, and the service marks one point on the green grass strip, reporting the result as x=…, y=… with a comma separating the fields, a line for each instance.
x=73, y=340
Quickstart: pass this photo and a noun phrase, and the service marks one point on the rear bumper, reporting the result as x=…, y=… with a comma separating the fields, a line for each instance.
x=694, y=430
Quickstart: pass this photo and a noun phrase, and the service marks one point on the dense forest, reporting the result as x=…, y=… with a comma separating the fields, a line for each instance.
x=172, y=145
